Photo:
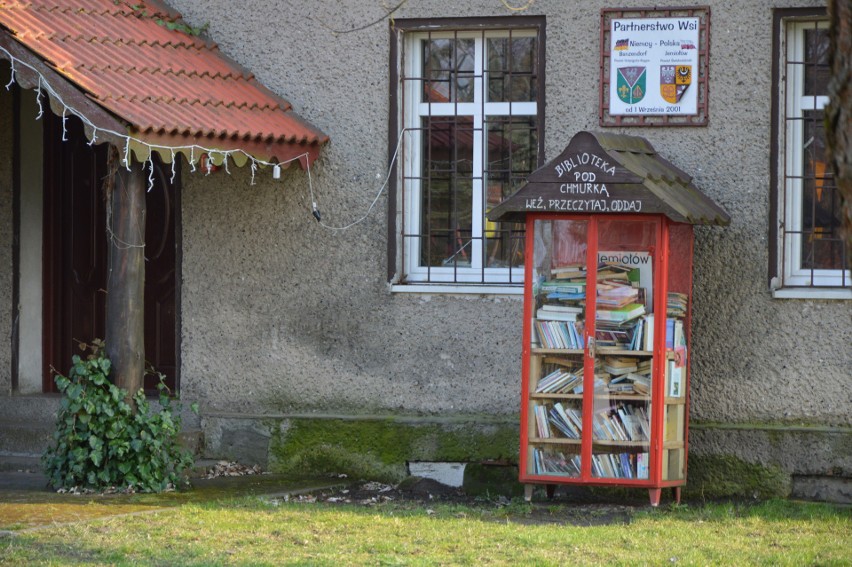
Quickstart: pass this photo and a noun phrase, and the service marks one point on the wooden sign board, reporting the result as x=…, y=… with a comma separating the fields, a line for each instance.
x=584, y=178
x=610, y=174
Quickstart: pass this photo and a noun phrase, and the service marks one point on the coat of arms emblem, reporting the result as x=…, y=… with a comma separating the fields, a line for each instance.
x=631, y=84
x=674, y=80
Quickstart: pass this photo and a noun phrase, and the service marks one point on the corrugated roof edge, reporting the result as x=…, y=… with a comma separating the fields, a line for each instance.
x=281, y=149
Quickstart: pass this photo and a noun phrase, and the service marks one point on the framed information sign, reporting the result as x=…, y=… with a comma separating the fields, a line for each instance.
x=654, y=67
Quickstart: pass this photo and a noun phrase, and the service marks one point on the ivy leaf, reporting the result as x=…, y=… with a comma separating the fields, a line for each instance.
x=101, y=441
x=74, y=392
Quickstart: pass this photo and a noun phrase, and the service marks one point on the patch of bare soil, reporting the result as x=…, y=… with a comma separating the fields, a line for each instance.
x=414, y=493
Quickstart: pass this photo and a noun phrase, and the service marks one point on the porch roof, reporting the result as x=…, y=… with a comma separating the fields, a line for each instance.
x=153, y=82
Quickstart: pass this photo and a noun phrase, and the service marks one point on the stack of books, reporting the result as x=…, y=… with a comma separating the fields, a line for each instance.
x=559, y=334
x=567, y=421
x=555, y=463
x=623, y=422
x=616, y=295
x=560, y=382
x=558, y=312
x=620, y=465
x=626, y=375
x=566, y=284
x=562, y=297
x=620, y=307
x=569, y=272
x=676, y=305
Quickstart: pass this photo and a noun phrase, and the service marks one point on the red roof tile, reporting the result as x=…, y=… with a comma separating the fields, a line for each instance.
x=172, y=88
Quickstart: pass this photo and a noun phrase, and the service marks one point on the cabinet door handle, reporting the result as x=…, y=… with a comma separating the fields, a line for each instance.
x=590, y=344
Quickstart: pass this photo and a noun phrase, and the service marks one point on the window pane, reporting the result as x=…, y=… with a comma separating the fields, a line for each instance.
x=511, y=155
x=447, y=191
x=511, y=69
x=445, y=224
x=822, y=245
x=448, y=67
x=817, y=71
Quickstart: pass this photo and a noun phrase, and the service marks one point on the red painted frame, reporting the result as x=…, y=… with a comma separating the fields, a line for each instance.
x=661, y=268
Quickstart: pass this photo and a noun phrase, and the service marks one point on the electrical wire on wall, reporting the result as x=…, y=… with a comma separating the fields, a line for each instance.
x=381, y=190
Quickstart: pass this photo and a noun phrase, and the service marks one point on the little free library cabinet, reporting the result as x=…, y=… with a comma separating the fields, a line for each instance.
x=607, y=315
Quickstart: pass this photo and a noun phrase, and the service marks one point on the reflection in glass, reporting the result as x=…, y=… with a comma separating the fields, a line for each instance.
x=448, y=70
x=447, y=191
x=557, y=367
x=817, y=70
x=822, y=244
x=511, y=69
x=623, y=368
x=511, y=155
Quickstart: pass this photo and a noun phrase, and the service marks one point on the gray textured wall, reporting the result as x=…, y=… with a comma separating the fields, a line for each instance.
x=282, y=315
x=6, y=135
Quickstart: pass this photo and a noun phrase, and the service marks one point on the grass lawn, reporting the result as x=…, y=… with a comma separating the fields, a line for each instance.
x=252, y=531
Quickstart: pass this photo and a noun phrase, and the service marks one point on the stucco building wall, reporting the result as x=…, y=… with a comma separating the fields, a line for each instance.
x=285, y=322
x=283, y=317
x=6, y=230
x=281, y=314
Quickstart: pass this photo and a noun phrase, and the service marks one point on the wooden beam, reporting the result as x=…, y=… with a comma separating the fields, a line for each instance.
x=125, y=305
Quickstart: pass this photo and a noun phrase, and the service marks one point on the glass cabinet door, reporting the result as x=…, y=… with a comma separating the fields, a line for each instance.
x=622, y=352
x=677, y=355
x=554, y=404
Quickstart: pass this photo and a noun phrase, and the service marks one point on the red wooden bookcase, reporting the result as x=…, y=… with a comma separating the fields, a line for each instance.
x=607, y=315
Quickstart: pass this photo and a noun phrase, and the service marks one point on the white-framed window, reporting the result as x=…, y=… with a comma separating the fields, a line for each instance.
x=812, y=259
x=471, y=110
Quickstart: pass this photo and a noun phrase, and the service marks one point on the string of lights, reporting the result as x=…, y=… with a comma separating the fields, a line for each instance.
x=43, y=86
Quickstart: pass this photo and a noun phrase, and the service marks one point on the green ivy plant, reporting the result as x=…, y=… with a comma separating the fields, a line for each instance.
x=179, y=25
x=101, y=443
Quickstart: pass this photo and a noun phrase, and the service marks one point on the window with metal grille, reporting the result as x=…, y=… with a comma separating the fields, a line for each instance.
x=811, y=256
x=471, y=114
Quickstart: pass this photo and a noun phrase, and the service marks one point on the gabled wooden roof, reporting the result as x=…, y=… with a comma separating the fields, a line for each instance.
x=166, y=86
x=611, y=174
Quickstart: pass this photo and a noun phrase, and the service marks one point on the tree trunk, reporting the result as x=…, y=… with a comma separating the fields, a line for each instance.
x=838, y=114
x=125, y=304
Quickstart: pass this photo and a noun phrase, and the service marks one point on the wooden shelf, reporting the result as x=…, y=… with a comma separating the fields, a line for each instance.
x=610, y=351
x=673, y=445
x=539, y=396
x=611, y=443
x=539, y=350
x=554, y=441
x=676, y=401
x=626, y=397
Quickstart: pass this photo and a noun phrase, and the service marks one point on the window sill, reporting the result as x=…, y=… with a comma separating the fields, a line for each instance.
x=812, y=293
x=451, y=289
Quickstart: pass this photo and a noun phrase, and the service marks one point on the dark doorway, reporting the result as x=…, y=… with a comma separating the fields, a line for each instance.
x=75, y=254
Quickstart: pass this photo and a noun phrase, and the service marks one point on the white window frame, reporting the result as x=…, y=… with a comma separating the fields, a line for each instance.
x=453, y=279
x=797, y=281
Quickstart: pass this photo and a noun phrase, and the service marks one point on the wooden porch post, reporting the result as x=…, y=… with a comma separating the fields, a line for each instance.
x=125, y=309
